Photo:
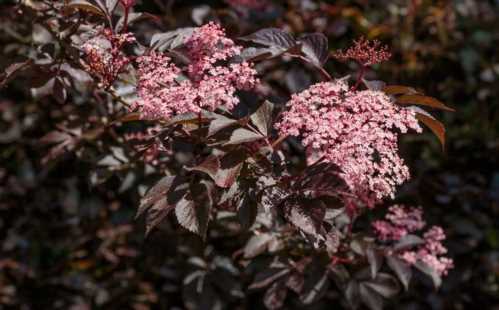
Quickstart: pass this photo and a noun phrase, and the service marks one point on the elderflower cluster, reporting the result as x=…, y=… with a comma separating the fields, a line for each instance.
x=356, y=130
x=104, y=57
x=365, y=52
x=401, y=221
x=210, y=80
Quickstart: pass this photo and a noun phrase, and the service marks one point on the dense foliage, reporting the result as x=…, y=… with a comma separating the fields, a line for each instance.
x=270, y=164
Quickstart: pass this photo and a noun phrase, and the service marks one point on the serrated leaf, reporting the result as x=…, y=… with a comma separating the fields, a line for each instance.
x=424, y=101
x=399, y=90
x=262, y=118
x=315, y=47
x=401, y=269
x=171, y=39
x=193, y=210
x=241, y=135
x=155, y=193
x=435, y=126
x=157, y=213
x=307, y=216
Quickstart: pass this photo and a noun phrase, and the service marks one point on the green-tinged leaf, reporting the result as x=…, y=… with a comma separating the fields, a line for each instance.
x=241, y=135
x=399, y=90
x=315, y=47
x=401, y=269
x=424, y=101
x=85, y=6
x=435, y=126
x=262, y=118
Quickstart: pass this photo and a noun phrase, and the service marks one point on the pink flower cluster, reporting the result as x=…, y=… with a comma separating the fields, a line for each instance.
x=401, y=221
x=209, y=81
x=356, y=130
x=104, y=57
x=365, y=52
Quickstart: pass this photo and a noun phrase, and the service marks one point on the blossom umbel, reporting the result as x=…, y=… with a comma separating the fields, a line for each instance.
x=356, y=130
x=365, y=52
x=399, y=222
x=208, y=82
x=104, y=57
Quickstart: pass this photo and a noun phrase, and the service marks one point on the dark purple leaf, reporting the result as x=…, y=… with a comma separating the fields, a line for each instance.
x=274, y=297
x=401, y=269
x=315, y=47
x=384, y=284
x=256, y=245
x=241, y=135
x=375, y=260
x=262, y=118
x=268, y=276
x=277, y=40
x=425, y=268
x=408, y=242
x=171, y=39
x=12, y=70
x=370, y=298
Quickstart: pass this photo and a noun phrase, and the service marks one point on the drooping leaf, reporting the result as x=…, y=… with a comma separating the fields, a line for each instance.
x=242, y=135
x=407, y=242
x=12, y=70
x=315, y=47
x=384, y=284
x=424, y=101
x=370, y=298
x=262, y=118
x=425, y=268
x=193, y=210
x=401, y=269
x=375, y=260
x=399, y=90
x=435, y=126
x=268, y=276
x=171, y=39
x=247, y=211
x=314, y=288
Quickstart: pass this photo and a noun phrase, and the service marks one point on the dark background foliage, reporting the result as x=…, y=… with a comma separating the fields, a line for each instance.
x=66, y=243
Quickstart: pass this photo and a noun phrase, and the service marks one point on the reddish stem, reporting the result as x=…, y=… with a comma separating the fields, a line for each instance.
x=360, y=77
